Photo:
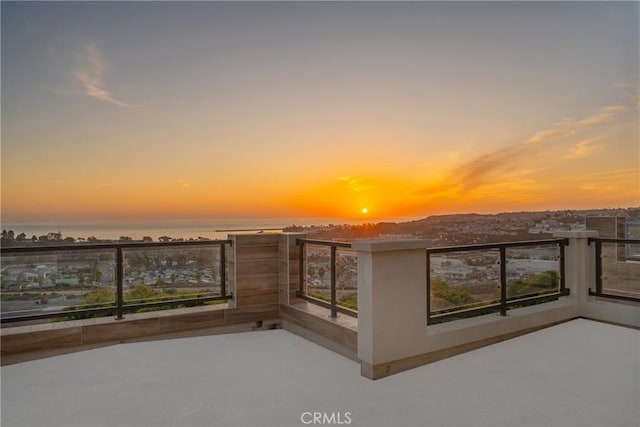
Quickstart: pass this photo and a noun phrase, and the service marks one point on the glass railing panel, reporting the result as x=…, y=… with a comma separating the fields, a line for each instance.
x=464, y=279
x=621, y=269
x=47, y=282
x=532, y=270
x=318, y=271
x=153, y=275
x=347, y=278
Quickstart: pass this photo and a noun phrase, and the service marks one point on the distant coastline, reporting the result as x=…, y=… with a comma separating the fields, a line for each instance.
x=449, y=229
x=178, y=229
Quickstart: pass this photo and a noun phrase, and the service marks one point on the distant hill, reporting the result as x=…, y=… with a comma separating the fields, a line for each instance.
x=471, y=228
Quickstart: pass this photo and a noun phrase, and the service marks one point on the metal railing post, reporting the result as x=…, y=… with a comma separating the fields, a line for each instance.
x=223, y=269
x=301, y=268
x=503, y=281
x=428, y=285
x=119, y=283
x=563, y=288
x=598, y=267
x=334, y=303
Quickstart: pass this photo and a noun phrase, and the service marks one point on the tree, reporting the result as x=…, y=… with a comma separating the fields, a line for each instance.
x=96, y=273
x=7, y=237
x=141, y=293
x=441, y=289
x=321, y=273
x=54, y=236
x=541, y=282
x=101, y=297
x=21, y=237
x=548, y=279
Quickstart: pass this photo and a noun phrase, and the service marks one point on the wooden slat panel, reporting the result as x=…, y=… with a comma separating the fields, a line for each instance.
x=41, y=340
x=326, y=328
x=251, y=314
x=119, y=331
x=191, y=321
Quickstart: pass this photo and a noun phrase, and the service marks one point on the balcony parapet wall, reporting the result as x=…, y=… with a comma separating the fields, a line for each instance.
x=392, y=313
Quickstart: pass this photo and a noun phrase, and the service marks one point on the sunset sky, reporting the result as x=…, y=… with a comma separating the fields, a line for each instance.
x=203, y=110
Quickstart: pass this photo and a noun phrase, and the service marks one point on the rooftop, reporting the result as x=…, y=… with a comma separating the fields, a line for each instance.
x=578, y=373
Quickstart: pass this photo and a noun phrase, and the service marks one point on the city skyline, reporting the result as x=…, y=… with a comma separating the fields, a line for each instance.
x=203, y=109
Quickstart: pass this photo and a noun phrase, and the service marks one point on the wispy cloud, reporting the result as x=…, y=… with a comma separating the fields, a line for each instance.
x=355, y=184
x=571, y=127
x=490, y=168
x=90, y=74
x=605, y=114
x=184, y=183
x=558, y=130
x=583, y=149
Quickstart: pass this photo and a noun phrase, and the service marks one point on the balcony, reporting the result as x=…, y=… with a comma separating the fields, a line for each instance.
x=553, y=363
x=580, y=373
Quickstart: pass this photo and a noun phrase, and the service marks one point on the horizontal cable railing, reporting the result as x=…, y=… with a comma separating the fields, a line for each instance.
x=304, y=292
x=479, y=274
x=617, y=269
x=148, y=291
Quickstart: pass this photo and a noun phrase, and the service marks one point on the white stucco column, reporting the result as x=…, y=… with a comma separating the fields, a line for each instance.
x=579, y=265
x=392, y=299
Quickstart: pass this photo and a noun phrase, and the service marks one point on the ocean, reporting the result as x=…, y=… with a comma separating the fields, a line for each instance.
x=186, y=229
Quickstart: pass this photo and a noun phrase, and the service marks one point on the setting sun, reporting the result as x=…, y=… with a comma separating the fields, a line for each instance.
x=364, y=211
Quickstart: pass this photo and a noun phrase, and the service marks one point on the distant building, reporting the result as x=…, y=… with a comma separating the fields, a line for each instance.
x=608, y=227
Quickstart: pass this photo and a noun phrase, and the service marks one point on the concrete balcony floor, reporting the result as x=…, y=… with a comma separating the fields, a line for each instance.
x=579, y=373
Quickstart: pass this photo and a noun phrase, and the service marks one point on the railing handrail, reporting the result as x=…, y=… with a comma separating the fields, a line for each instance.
x=324, y=243
x=107, y=245
x=464, y=248
x=612, y=240
x=119, y=306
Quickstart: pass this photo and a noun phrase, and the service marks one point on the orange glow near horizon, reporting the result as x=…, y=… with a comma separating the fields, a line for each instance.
x=349, y=197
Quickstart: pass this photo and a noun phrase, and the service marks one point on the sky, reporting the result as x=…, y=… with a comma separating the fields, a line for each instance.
x=164, y=110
